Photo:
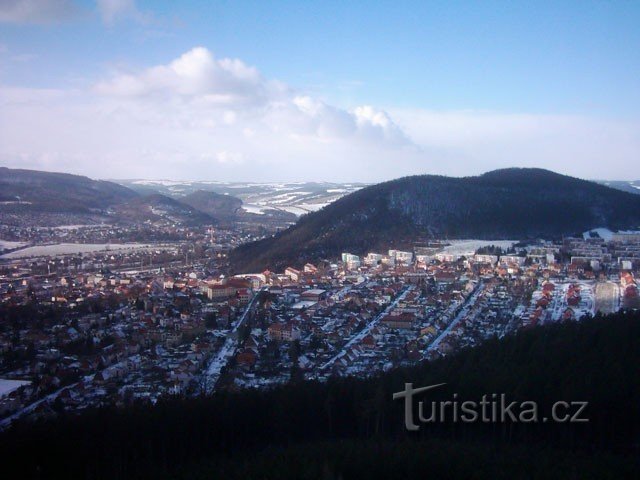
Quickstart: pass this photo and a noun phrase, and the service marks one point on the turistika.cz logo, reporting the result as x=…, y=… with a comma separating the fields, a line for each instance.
x=491, y=408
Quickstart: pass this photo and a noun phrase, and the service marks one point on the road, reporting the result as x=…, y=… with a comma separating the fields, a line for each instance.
x=228, y=349
x=464, y=310
x=6, y=422
x=366, y=330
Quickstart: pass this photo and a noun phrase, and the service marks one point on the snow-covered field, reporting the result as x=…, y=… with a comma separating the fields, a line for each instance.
x=297, y=198
x=7, y=245
x=8, y=386
x=71, y=248
x=256, y=209
x=604, y=233
x=469, y=247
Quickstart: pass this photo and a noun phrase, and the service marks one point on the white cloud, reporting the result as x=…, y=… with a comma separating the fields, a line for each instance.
x=201, y=90
x=36, y=11
x=194, y=74
x=203, y=117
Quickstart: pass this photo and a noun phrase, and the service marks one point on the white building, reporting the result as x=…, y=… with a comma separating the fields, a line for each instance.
x=401, y=257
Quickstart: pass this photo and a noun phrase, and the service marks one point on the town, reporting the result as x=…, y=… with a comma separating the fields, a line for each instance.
x=85, y=324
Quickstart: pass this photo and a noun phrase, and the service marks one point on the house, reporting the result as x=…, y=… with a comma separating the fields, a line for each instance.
x=368, y=342
x=247, y=358
x=310, y=268
x=402, y=321
x=444, y=277
x=313, y=295
x=292, y=273
x=286, y=332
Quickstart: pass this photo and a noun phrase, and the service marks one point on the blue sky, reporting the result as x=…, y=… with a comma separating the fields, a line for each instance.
x=370, y=91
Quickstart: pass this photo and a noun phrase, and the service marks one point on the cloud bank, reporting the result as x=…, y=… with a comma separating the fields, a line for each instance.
x=36, y=11
x=203, y=117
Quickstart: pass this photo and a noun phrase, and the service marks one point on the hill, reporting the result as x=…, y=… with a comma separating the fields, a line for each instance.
x=503, y=204
x=292, y=199
x=352, y=428
x=626, y=186
x=45, y=198
x=32, y=190
x=30, y=197
x=219, y=206
x=159, y=209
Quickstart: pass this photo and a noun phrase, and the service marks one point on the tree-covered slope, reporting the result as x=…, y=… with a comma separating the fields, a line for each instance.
x=507, y=204
x=36, y=191
x=224, y=207
x=352, y=428
x=160, y=209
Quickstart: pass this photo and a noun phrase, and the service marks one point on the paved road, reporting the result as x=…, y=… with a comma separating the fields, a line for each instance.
x=32, y=406
x=366, y=330
x=466, y=306
x=228, y=349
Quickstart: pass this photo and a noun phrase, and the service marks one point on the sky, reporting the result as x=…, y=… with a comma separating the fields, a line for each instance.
x=319, y=91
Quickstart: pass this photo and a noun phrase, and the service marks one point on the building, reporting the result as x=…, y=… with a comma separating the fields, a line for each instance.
x=351, y=261
x=313, y=295
x=293, y=274
x=215, y=292
x=283, y=332
x=373, y=259
x=402, y=321
x=401, y=257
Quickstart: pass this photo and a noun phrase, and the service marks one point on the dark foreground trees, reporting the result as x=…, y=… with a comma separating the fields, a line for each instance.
x=351, y=428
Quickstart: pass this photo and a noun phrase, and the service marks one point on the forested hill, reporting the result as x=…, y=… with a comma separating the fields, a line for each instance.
x=217, y=205
x=503, y=204
x=351, y=428
x=36, y=191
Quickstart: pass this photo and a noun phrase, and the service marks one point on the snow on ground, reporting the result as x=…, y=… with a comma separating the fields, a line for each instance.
x=365, y=331
x=71, y=248
x=8, y=386
x=7, y=245
x=558, y=302
x=314, y=207
x=469, y=247
x=464, y=311
x=604, y=233
x=164, y=183
x=295, y=210
x=257, y=209
x=75, y=227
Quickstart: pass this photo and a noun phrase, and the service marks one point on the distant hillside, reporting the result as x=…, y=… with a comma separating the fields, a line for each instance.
x=159, y=209
x=219, y=206
x=289, y=199
x=626, y=186
x=35, y=191
x=507, y=204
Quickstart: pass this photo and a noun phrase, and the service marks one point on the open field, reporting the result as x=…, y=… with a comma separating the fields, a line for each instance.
x=469, y=247
x=607, y=297
x=71, y=248
x=7, y=245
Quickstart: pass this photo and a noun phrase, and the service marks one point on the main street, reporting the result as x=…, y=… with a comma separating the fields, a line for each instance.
x=214, y=369
x=367, y=329
x=464, y=311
